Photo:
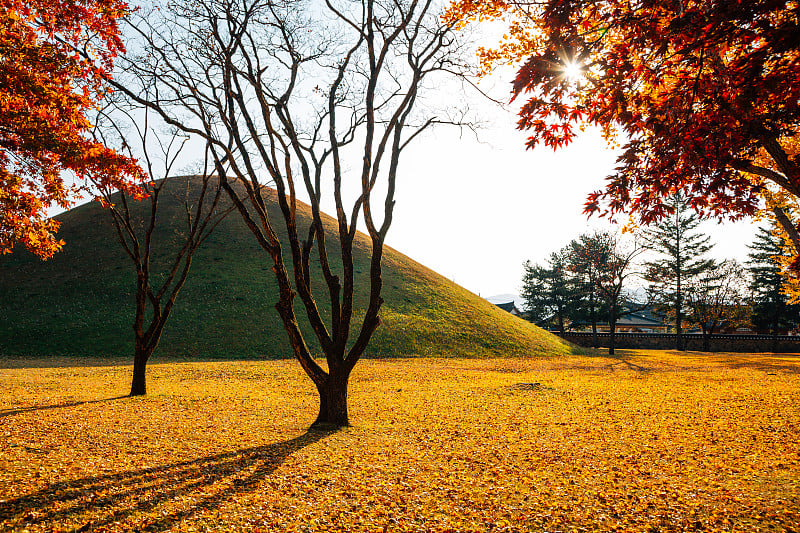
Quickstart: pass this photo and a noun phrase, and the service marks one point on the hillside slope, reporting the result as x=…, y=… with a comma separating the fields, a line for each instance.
x=80, y=301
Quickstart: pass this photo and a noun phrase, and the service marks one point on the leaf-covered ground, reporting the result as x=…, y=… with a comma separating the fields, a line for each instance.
x=650, y=441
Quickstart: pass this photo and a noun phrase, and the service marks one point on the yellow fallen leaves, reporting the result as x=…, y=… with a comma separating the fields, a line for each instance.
x=650, y=441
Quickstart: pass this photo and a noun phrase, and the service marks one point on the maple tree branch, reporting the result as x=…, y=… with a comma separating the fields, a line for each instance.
x=781, y=158
x=775, y=177
x=786, y=223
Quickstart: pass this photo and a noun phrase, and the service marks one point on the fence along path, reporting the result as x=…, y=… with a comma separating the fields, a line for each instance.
x=742, y=343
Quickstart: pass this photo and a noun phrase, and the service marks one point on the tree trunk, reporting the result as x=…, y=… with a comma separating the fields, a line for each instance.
x=678, y=318
x=775, y=328
x=138, y=385
x=332, y=403
x=706, y=341
x=678, y=287
x=612, y=330
x=593, y=318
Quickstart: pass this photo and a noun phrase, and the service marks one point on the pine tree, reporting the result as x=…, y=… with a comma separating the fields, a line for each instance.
x=549, y=291
x=587, y=257
x=772, y=310
x=681, y=251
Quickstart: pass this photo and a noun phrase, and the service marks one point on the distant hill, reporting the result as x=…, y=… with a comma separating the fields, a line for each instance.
x=80, y=301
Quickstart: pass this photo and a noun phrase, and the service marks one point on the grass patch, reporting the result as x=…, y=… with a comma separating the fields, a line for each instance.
x=81, y=301
x=645, y=441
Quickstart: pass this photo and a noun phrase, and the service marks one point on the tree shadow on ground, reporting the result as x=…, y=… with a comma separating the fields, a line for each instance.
x=166, y=494
x=778, y=363
x=12, y=412
x=626, y=364
x=770, y=364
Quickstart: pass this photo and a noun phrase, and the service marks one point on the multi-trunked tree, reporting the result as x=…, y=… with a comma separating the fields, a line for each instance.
x=287, y=95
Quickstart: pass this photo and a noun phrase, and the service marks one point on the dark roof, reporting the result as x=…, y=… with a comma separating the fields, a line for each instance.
x=644, y=318
x=639, y=319
x=509, y=306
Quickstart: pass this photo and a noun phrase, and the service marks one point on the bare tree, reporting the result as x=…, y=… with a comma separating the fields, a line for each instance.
x=718, y=298
x=613, y=266
x=286, y=93
x=141, y=230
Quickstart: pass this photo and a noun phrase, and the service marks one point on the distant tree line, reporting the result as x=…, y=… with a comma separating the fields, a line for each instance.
x=600, y=277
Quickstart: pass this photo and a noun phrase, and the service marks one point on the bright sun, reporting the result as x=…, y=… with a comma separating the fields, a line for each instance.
x=573, y=70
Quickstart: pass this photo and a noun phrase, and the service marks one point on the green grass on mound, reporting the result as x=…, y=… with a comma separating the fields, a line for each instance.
x=80, y=302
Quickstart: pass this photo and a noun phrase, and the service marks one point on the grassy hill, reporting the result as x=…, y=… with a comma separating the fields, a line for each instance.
x=80, y=302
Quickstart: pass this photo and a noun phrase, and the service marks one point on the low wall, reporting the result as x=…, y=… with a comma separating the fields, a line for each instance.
x=691, y=341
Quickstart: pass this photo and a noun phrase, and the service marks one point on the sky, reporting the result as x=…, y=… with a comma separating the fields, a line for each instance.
x=475, y=210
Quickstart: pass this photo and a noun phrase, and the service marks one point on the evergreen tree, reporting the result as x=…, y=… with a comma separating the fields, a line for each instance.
x=587, y=257
x=681, y=251
x=771, y=310
x=549, y=291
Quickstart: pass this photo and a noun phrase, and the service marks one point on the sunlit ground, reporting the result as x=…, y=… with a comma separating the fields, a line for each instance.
x=651, y=442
